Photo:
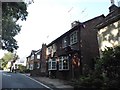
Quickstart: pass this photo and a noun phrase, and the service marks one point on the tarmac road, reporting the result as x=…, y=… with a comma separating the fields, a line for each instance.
x=17, y=81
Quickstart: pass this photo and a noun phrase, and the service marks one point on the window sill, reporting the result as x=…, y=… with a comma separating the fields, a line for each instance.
x=73, y=43
x=52, y=69
x=63, y=69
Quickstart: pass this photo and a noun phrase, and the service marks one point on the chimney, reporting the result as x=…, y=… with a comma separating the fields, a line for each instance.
x=75, y=23
x=112, y=8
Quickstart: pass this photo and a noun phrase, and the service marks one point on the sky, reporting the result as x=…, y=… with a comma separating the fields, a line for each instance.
x=48, y=19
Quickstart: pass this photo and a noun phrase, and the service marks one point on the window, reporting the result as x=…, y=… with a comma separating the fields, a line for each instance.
x=54, y=48
x=49, y=50
x=32, y=57
x=64, y=42
x=38, y=65
x=38, y=56
x=52, y=64
x=73, y=38
x=64, y=63
x=31, y=66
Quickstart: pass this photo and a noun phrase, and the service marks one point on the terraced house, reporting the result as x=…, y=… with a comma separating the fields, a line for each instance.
x=73, y=53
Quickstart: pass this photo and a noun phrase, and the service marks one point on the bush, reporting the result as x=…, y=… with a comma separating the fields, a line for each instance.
x=106, y=74
x=27, y=71
x=21, y=68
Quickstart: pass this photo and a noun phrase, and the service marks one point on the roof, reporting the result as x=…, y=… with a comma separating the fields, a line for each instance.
x=72, y=29
x=112, y=17
x=34, y=52
x=38, y=51
x=62, y=36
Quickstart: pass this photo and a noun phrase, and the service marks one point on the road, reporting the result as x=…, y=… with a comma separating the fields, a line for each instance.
x=17, y=81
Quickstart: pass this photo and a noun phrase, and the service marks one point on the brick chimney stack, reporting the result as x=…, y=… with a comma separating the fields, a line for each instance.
x=112, y=8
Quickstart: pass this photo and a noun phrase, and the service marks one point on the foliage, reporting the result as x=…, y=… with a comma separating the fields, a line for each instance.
x=6, y=58
x=21, y=68
x=11, y=13
x=27, y=70
x=106, y=74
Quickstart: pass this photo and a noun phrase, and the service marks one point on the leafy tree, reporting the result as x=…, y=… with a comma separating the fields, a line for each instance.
x=11, y=13
x=6, y=58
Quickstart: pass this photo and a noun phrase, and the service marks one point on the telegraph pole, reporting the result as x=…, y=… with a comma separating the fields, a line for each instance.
x=0, y=24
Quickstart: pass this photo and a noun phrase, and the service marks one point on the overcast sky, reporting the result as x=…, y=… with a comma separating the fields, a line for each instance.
x=48, y=19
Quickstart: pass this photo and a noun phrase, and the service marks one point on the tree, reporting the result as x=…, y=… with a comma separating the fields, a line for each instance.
x=9, y=57
x=11, y=13
x=6, y=58
x=106, y=75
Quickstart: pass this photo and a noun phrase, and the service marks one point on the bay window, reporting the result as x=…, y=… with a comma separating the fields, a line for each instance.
x=63, y=63
x=52, y=64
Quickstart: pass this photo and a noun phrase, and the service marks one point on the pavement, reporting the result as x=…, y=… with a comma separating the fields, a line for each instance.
x=53, y=83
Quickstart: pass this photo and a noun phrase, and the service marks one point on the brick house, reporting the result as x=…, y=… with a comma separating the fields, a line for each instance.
x=36, y=61
x=33, y=62
x=72, y=54
x=109, y=29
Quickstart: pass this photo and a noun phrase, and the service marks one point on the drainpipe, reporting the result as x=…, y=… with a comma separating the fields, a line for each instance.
x=80, y=42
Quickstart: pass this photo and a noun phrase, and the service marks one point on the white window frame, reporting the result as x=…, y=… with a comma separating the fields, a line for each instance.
x=31, y=66
x=64, y=42
x=50, y=64
x=61, y=63
x=38, y=56
x=32, y=57
x=73, y=37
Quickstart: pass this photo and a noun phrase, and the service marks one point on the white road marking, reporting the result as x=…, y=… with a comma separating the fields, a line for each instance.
x=39, y=82
x=6, y=75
